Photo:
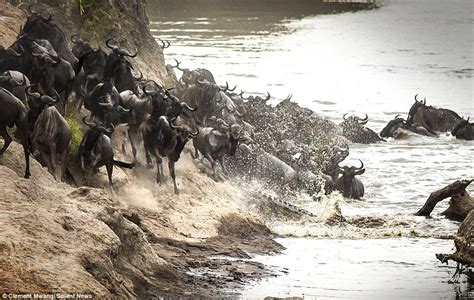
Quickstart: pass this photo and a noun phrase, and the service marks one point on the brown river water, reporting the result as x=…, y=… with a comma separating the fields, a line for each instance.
x=356, y=62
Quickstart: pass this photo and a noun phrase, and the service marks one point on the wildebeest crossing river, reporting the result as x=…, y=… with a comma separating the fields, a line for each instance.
x=371, y=62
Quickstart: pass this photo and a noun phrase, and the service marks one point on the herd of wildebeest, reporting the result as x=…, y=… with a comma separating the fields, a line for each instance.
x=42, y=77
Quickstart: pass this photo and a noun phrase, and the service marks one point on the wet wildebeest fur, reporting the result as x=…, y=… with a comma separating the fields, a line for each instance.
x=464, y=130
x=96, y=151
x=348, y=185
x=432, y=118
x=353, y=129
x=396, y=126
x=50, y=133
x=13, y=112
x=214, y=144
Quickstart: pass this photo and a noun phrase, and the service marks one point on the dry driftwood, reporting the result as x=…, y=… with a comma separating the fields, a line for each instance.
x=460, y=205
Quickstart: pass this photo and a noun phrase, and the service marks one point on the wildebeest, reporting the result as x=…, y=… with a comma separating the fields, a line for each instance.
x=432, y=118
x=15, y=82
x=353, y=129
x=39, y=27
x=165, y=139
x=348, y=185
x=50, y=133
x=336, y=155
x=395, y=127
x=11, y=60
x=118, y=68
x=13, y=112
x=215, y=143
x=464, y=130
x=96, y=151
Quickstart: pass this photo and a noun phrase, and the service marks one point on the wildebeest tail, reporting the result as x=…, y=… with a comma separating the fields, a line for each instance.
x=124, y=164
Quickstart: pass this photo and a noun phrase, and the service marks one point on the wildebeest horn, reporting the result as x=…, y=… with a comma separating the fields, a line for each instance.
x=186, y=106
x=288, y=98
x=194, y=134
x=424, y=101
x=138, y=78
x=48, y=100
x=106, y=104
x=121, y=109
x=48, y=18
x=416, y=98
x=107, y=130
x=344, y=116
x=268, y=96
x=361, y=165
x=126, y=53
x=173, y=125
x=177, y=65
x=27, y=90
x=91, y=124
x=364, y=120
x=30, y=9
x=227, y=88
x=56, y=95
x=74, y=38
x=107, y=43
x=164, y=43
x=397, y=116
x=13, y=52
x=203, y=82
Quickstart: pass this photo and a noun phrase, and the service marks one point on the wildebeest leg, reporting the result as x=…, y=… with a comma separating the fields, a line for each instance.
x=214, y=166
x=132, y=135
x=110, y=169
x=64, y=160
x=6, y=138
x=173, y=174
x=221, y=161
x=53, y=162
x=159, y=170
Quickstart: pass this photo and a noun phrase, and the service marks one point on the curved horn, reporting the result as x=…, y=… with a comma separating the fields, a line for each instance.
x=56, y=95
x=107, y=43
x=177, y=65
x=361, y=165
x=91, y=124
x=268, y=96
x=75, y=38
x=13, y=52
x=364, y=120
x=30, y=9
x=173, y=125
x=397, y=116
x=288, y=98
x=186, y=106
x=107, y=130
x=126, y=53
x=194, y=134
x=121, y=109
x=344, y=116
x=48, y=18
x=424, y=101
x=27, y=91
x=205, y=82
x=138, y=78
x=416, y=98
x=226, y=87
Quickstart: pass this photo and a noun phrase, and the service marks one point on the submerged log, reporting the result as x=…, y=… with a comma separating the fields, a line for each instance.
x=460, y=205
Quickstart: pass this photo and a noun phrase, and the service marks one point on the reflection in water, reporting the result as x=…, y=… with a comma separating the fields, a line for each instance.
x=362, y=61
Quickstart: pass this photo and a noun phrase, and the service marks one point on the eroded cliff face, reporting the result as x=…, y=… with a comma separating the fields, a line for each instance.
x=123, y=20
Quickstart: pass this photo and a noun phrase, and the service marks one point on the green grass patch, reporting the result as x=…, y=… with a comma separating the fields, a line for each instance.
x=97, y=18
x=77, y=134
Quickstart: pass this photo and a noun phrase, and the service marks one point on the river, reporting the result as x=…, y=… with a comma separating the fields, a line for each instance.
x=366, y=61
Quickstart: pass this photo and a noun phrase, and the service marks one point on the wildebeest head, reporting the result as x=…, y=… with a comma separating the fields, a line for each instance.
x=37, y=103
x=183, y=135
x=391, y=128
x=234, y=132
x=414, y=108
x=6, y=79
x=10, y=59
x=80, y=46
x=349, y=182
x=39, y=26
x=116, y=60
x=464, y=130
x=355, y=120
x=335, y=156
